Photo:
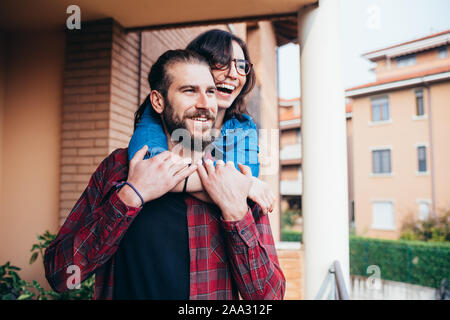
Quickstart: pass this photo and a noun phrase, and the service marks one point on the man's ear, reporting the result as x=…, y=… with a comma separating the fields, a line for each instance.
x=157, y=101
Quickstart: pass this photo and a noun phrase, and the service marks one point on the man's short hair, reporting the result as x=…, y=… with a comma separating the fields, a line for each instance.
x=159, y=77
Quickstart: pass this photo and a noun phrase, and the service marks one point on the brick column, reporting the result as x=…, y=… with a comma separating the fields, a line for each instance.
x=100, y=98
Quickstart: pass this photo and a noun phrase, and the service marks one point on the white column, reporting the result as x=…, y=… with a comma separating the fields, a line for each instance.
x=324, y=146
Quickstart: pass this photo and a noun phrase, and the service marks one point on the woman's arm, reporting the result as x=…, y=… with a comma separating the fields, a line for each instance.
x=149, y=131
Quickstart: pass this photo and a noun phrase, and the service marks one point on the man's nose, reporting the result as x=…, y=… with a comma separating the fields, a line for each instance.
x=202, y=101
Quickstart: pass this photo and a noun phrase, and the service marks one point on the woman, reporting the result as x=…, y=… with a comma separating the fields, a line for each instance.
x=232, y=70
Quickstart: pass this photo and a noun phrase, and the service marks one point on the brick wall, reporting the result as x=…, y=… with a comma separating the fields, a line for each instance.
x=291, y=258
x=86, y=108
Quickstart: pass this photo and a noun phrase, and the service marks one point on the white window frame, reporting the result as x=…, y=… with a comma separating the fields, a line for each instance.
x=383, y=121
x=416, y=147
x=378, y=226
x=380, y=148
x=421, y=201
x=406, y=61
x=442, y=54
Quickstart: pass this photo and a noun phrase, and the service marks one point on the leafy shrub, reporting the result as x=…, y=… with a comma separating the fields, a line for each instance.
x=12, y=287
x=288, y=217
x=291, y=235
x=434, y=229
x=416, y=262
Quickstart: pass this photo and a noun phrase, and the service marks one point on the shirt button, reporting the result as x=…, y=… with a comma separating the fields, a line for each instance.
x=243, y=232
x=128, y=219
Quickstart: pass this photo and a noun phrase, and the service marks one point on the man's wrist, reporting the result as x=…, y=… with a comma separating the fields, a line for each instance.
x=129, y=197
x=235, y=213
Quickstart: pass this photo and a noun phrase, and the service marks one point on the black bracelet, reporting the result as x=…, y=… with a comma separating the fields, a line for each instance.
x=132, y=187
x=186, y=180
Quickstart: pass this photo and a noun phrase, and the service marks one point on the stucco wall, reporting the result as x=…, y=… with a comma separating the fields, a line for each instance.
x=404, y=186
x=30, y=145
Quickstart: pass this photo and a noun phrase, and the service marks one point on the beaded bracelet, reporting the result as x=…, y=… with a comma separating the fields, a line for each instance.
x=132, y=187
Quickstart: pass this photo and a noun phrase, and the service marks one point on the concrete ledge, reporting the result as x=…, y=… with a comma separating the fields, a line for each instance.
x=288, y=245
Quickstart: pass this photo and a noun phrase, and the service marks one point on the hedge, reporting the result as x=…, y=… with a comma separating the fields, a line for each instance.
x=416, y=262
x=291, y=235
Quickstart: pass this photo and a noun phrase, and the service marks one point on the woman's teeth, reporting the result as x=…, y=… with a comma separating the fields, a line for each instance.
x=225, y=88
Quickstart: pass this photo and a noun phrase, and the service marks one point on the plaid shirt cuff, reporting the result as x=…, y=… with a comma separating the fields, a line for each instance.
x=243, y=233
x=120, y=209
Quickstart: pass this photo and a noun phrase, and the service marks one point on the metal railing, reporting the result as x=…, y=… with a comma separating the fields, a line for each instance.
x=334, y=280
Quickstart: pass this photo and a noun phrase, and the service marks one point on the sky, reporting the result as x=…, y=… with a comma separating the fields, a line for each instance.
x=368, y=25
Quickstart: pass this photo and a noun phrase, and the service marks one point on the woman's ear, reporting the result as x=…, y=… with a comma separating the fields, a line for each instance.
x=157, y=101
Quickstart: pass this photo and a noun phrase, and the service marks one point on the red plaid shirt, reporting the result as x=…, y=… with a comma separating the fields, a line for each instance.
x=225, y=257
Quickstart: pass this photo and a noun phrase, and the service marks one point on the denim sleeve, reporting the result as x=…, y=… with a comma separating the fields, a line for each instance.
x=149, y=131
x=239, y=143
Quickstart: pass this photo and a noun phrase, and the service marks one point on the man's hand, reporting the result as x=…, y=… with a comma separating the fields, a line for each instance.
x=154, y=177
x=227, y=187
x=260, y=191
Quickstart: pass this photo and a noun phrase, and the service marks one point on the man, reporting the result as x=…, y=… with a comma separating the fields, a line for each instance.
x=145, y=243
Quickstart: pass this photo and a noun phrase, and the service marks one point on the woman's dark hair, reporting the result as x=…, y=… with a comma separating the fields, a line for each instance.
x=159, y=79
x=217, y=48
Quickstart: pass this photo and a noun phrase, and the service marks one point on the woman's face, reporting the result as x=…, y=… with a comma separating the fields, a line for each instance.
x=229, y=82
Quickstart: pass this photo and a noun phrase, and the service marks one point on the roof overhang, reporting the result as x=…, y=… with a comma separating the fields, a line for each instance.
x=32, y=15
x=401, y=84
x=410, y=47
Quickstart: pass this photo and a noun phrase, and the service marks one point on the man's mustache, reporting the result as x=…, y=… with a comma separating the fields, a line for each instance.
x=199, y=114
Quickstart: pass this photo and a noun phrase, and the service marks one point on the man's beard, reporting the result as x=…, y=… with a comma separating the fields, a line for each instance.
x=177, y=128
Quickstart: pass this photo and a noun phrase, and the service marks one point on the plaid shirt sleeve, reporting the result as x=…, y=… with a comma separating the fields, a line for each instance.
x=91, y=233
x=254, y=260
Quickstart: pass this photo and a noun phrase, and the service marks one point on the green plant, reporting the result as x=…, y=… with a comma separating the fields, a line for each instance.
x=416, y=262
x=288, y=217
x=435, y=229
x=12, y=287
x=291, y=235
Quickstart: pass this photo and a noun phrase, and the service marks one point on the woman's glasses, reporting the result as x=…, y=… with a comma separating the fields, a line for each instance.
x=242, y=66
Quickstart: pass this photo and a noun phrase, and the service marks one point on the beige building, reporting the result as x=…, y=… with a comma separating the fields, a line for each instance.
x=290, y=154
x=400, y=136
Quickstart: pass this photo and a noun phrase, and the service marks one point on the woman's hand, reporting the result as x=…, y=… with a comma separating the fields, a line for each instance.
x=260, y=191
x=227, y=187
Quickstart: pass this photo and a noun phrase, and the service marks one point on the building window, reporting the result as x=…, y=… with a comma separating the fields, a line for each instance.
x=380, y=109
x=424, y=210
x=420, y=110
x=442, y=52
x=407, y=60
x=422, y=158
x=383, y=215
x=381, y=161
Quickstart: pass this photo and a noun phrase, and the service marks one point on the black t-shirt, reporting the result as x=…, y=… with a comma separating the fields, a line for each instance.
x=152, y=261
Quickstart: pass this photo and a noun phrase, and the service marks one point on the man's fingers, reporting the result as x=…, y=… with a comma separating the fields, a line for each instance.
x=245, y=169
x=163, y=155
x=179, y=165
x=184, y=173
x=209, y=166
x=202, y=171
x=229, y=164
x=140, y=154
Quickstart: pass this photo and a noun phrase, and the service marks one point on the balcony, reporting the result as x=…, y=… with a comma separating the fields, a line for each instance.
x=291, y=187
x=291, y=155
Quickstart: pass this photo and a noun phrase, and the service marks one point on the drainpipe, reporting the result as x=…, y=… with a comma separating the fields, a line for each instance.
x=430, y=133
